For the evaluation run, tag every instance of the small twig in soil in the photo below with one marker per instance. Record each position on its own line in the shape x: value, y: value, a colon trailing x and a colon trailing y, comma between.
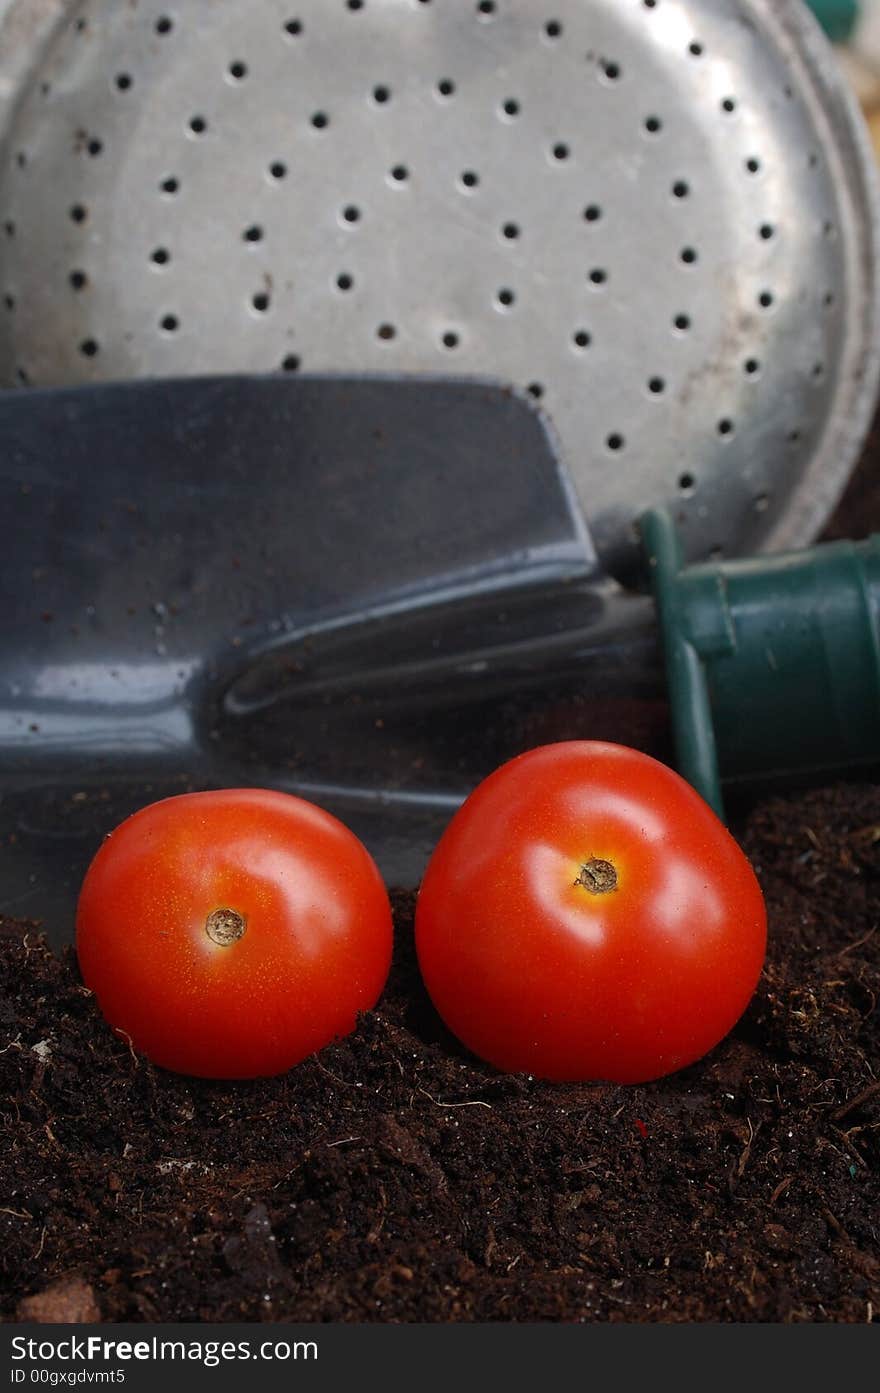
x: 469, y: 1103
x: 737, y: 1173
x: 851, y: 947
x: 857, y: 1101
x: 836, y: 1225
x: 346, y: 1083
x: 780, y: 1189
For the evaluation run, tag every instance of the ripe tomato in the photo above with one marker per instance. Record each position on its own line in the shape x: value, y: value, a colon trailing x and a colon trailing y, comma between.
x: 232, y: 934
x: 587, y: 916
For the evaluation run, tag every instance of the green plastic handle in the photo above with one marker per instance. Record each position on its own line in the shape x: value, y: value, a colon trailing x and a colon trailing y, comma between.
x: 837, y: 17
x: 773, y: 663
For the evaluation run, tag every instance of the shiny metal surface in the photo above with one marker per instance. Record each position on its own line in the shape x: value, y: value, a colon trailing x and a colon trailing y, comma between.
x: 190, y: 603
x: 659, y: 217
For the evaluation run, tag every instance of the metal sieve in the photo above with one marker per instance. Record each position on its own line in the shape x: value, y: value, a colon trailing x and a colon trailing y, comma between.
x: 658, y: 216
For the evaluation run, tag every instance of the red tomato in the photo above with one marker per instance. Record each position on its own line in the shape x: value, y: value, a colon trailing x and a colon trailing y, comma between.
x: 587, y: 916
x: 232, y: 934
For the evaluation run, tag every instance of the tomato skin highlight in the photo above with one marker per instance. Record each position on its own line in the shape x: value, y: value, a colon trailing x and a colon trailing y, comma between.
x: 231, y: 934
x: 536, y: 972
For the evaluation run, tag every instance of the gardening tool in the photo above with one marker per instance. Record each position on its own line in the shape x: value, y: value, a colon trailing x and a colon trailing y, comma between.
x: 300, y: 583
x: 320, y: 584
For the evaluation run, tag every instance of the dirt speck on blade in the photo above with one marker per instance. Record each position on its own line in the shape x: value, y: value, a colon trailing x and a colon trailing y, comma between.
x: 394, y: 1178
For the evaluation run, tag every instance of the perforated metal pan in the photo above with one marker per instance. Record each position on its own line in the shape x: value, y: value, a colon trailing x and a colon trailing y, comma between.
x: 657, y: 215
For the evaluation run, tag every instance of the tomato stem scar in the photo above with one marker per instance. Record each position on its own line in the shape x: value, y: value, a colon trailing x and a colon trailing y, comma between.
x: 225, y: 926
x: 597, y: 876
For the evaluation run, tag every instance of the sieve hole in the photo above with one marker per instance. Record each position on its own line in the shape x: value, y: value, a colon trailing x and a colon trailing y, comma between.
x: 400, y: 174
x: 171, y: 185
x: 446, y: 87
x: 552, y: 29
x: 78, y: 280
x: 656, y: 386
x: 653, y: 125
x: 686, y: 483
x: 506, y: 297
x: 695, y: 49
x: 751, y: 367
x: 89, y: 348
x: 536, y: 390
x: 386, y: 332
x: 450, y: 339
x: 728, y: 105
x: 123, y: 82
x: 170, y: 323
x: 237, y: 70
x: 510, y: 231
x: 344, y: 281
x: 252, y: 234
x: 278, y: 169
x: 592, y: 212
x: 261, y: 302
x: 78, y: 214
x: 689, y: 255
x: 765, y: 299
x: 381, y: 94
x: 682, y: 322
x: 320, y: 120
x: 469, y: 179
x: 598, y: 276
x: 160, y: 256
x: 680, y: 189
x: 293, y: 27
x: 291, y: 363
x: 761, y: 502
x: 615, y: 441
x: 753, y: 165
x: 581, y: 338
x: 510, y: 107
x: 611, y: 71
x: 351, y: 213
x: 725, y: 427
x: 198, y: 125
x: 561, y: 151
x: 164, y: 24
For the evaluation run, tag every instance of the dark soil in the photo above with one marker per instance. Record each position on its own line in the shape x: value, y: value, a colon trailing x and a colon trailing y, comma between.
x: 394, y: 1178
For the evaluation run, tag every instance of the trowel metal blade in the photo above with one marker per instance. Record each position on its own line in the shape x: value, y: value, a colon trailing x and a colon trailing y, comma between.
x: 218, y: 581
